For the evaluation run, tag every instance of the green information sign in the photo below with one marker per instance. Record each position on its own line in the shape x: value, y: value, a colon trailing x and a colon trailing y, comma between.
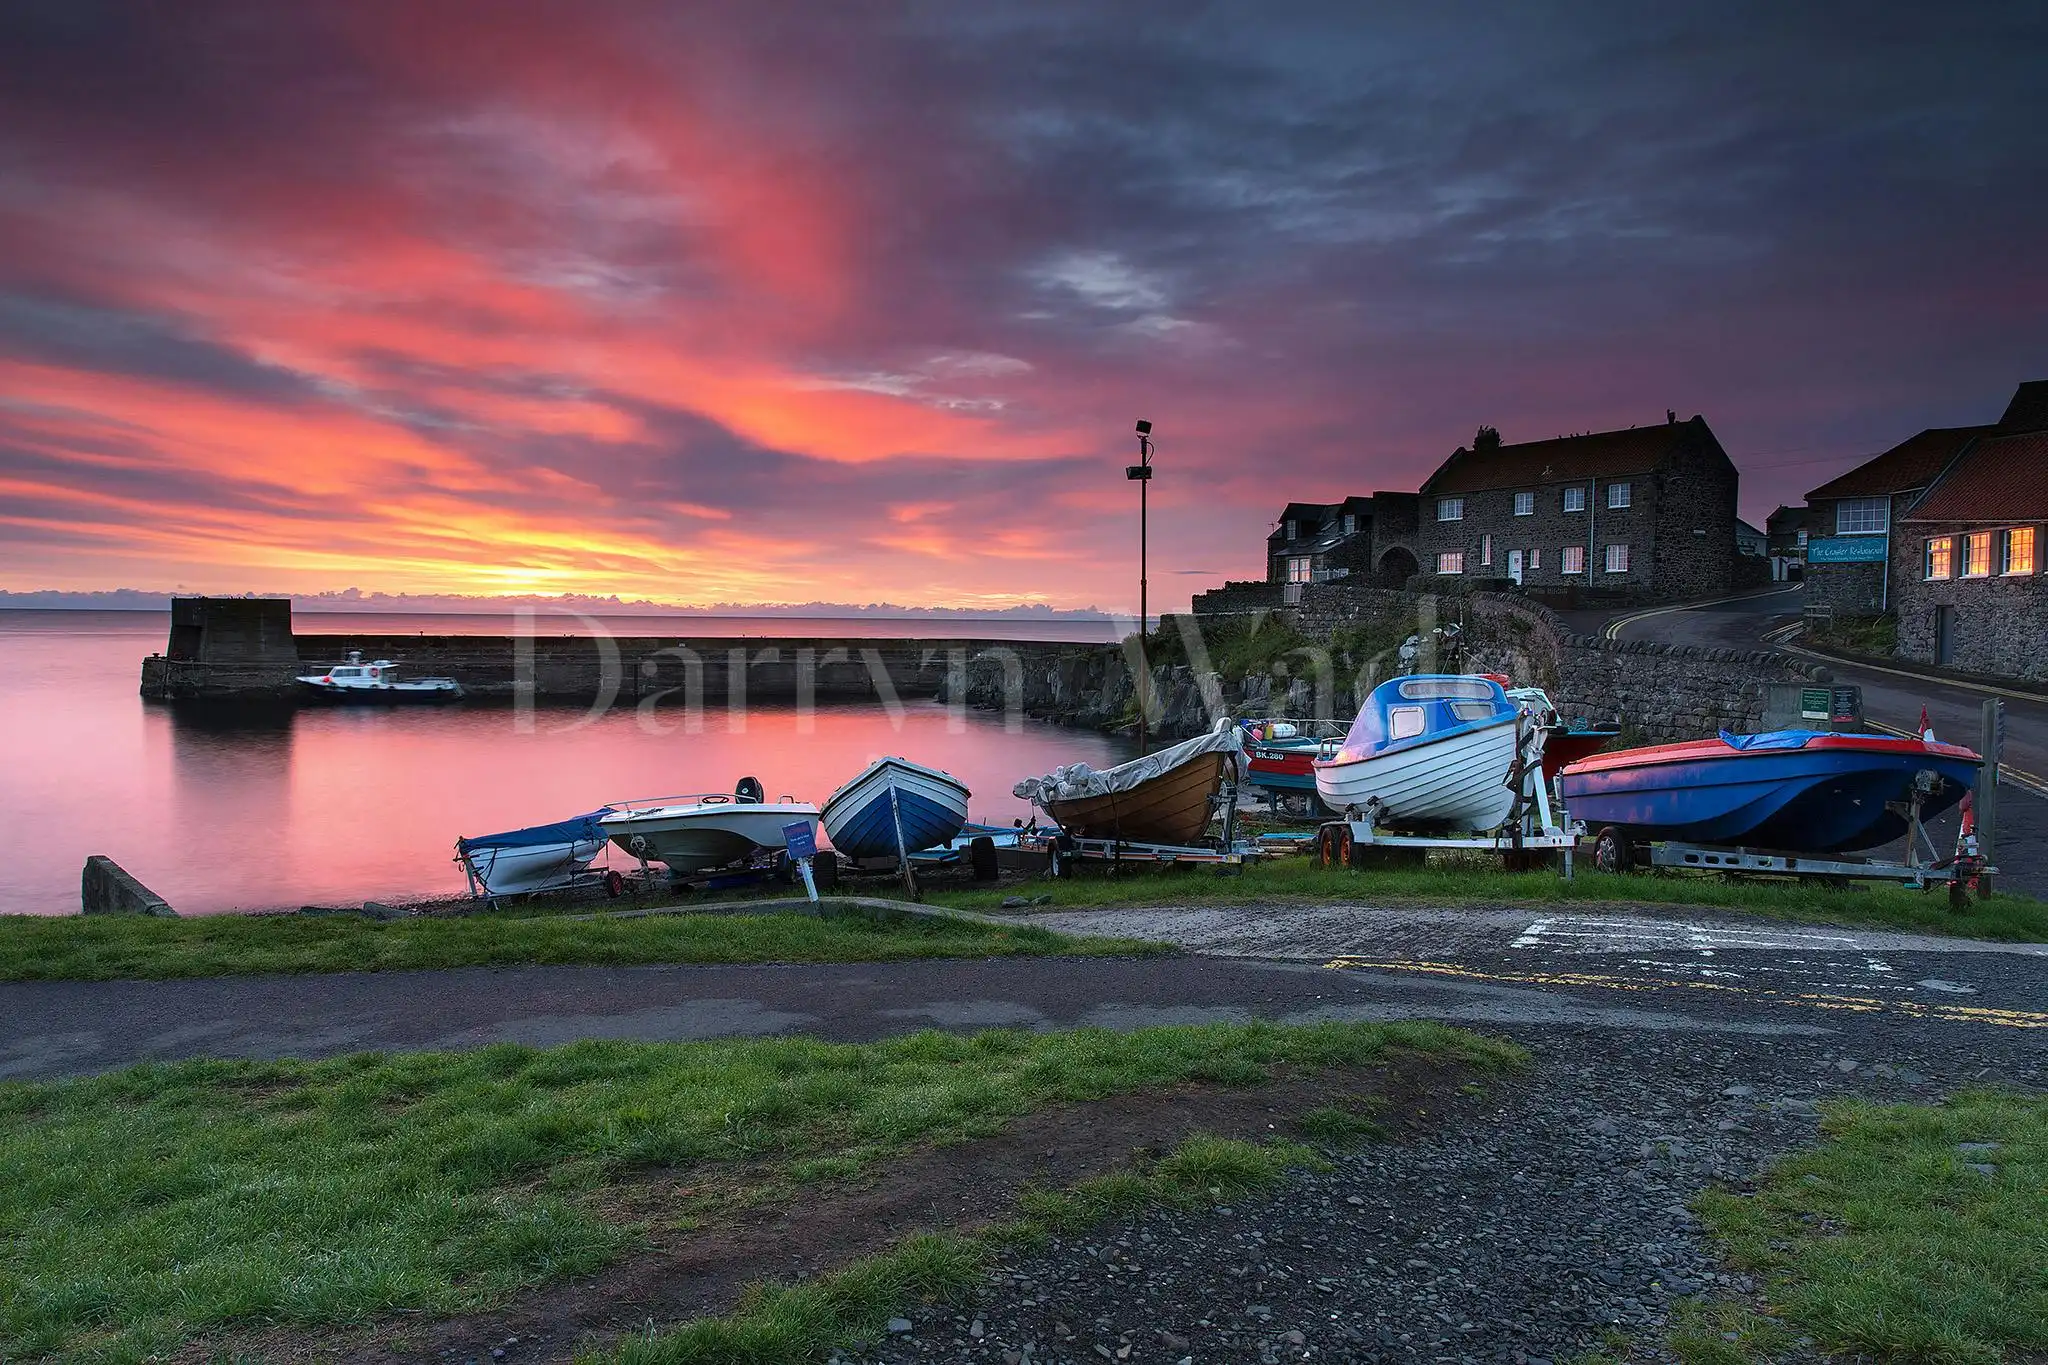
x: 1814, y: 703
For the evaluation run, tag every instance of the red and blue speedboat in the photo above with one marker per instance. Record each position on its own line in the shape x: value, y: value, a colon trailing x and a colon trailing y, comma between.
x: 1802, y: 791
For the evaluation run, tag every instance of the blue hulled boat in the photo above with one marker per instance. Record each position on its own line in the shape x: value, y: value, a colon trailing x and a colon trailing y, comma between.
x: 1792, y: 790
x: 862, y: 817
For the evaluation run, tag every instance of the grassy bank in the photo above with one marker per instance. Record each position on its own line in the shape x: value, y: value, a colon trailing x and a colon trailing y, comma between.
x: 2011, y: 919
x: 1888, y: 1243
x: 106, y: 947
x: 163, y: 1203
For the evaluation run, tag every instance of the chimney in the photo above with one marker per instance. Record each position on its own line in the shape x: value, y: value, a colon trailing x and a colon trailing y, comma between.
x: 1670, y: 417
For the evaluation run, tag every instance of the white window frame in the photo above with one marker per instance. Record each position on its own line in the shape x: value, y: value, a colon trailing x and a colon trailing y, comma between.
x: 1294, y: 530
x: 1525, y: 504
x: 1574, y: 499
x: 1608, y: 564
x: 1450, y: 562
x: 1350, y: 523
x: 1535, y: 560
x: 1567, y: 557
x: 1971, y: 540
x: 1947, y: 558
x: 1301, y: 568
x: 1848, y: 524
x: 1619, y: 495
x: 1450, y: 509
x: 2005, y: 539
x: 1486, y: 549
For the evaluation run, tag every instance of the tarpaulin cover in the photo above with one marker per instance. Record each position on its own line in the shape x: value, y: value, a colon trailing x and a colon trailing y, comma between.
x: 578, y: 830
x: 1771, y: 739
x: 1077, y: 780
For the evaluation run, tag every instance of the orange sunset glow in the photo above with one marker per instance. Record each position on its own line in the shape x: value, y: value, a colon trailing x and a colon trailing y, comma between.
x: 777, y: 303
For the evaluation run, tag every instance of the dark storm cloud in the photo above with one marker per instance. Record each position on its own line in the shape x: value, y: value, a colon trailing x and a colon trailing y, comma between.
x: 72, y: 334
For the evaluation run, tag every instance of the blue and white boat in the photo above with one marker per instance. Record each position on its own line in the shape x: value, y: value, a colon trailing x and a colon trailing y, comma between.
x: 1432, y: 751
x: 862, y: 818
x: 537, y: 858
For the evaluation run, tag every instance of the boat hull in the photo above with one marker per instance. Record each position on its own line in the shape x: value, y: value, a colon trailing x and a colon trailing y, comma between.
x: 1458, y: 782
x: 1172, y: 808
x: 1830, y: 797
x: 537, y: 867
x: 861, y: 818
x: 394, y: 694
x: 694, y: 838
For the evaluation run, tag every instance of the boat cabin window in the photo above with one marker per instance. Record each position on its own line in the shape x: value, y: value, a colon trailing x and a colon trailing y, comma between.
x: 1423, y: 689
x: 1404, y: 722
x: 1472, y: 710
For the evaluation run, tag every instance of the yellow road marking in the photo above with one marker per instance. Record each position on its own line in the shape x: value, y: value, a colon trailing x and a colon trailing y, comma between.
x: 2019, y: 777
x: 1613, y: 631
x: 1819, y: 1000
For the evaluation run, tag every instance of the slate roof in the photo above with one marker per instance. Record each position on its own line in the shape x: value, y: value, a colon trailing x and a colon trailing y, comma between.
x: 1563, y: 459
x: 1999, y: 479
x: 1912, y: 463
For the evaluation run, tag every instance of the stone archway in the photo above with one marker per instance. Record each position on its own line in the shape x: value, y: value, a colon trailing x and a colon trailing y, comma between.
x: 1396, y: 567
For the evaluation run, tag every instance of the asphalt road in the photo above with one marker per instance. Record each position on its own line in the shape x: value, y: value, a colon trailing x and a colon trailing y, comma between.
x: 1511, y: 966
x: 1893, y: 700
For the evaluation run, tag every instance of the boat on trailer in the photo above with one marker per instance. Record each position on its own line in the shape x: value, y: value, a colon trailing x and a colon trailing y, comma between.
x: 1164, y: 798
x: 894, y: 808
x: 1429, y: 752
x: 1799, y: 790
x: 537, y: 858
x: 375, y: 680
x: 706, y: 830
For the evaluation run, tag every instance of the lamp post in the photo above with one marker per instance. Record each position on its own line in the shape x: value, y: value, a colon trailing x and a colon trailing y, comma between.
x: 1142, y: 472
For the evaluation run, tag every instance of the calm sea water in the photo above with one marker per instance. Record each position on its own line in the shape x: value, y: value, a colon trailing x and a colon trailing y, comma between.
x: 340, y: 805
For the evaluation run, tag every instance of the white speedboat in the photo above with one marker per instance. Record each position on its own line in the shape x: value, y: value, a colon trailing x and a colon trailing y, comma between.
x: 538, y: 858
x: 895, y: 808
x: 713, y: 829
x: 1428, y: 752
x: 376, y: 680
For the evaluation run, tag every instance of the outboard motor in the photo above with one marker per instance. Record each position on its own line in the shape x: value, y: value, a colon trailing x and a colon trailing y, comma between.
x: 750, y: 790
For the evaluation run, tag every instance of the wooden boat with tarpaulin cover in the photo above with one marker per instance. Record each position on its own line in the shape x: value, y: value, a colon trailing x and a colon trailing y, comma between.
x: 1163, y: 798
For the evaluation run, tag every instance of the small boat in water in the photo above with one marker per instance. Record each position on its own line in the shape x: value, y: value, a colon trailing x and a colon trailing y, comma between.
x: 1434, y: 751
x: 537, y: 858
x: 893, y: 808
x: 376, y: 680
x: 1163, y: 798
x: 1802, y: 791
x: 712, y: 829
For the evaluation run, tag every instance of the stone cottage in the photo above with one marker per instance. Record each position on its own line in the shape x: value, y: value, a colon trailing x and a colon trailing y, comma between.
x: 1850, y: 520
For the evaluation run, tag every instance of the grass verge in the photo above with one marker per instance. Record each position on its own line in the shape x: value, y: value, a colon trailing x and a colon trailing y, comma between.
x: 2004, y: 918
x: 162, y: 1203
x: 780, y: 1324
x: 106, y: 947
x: 1886, y: 1243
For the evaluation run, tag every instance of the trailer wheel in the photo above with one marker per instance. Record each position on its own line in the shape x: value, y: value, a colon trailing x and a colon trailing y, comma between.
x: 825, y: 870
x: 1056, y: 865
x: 1326, y: 846
x: 981, y: 857
x: 1346, y: 849
x: 614, y: 884
x: 1612, y: 851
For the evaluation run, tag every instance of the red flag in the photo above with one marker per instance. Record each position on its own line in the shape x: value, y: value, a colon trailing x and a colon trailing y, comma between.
x: 1926, y: 730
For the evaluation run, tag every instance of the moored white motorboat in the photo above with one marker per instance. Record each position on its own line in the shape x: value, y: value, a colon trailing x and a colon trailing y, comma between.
x: 376, y: 680
x: 1428, y: 752
x: 707, y: 830
x: 894, y: 807
x: 538, y: 858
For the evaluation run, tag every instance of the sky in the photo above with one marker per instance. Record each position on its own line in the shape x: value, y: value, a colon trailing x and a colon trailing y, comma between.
x: 763, y: 302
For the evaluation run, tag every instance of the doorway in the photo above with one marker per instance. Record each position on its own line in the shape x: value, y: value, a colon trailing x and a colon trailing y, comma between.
x: 1515, y: 566
x: 1944, y: 635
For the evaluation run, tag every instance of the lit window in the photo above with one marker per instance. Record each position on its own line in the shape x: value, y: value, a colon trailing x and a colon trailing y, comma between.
x: 1938, y: 557
x: 1977, y: 554
x: 1535, y: 559
x: 1574, y: 499
x: 1617, y: 559
x: 1451, y: 561
x: 1572, y: 560
x: 1300, y: 570
x: 1450, y: 509
x: 1486, y: 549
x: 1525, y: 504
x: 1862, y: 516
x: 2018, y: 556
x: 1617, y: 494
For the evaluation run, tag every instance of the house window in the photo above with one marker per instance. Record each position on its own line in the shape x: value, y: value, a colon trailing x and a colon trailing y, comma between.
x: 1535, y: 559
x: 1618, y: 494
x: 1300, y: 569
x: 1862, y: 516
x: 1486, y: 549
x: 1451, y: 561
x: 2018, y: 550
x: 1574, y: 499
x: 1350, y: 523
x: 1572, y: 559
x: 1525, y: 504
x: 1294, y: 530
x: 1450, y: 509
x: 1977, y: 554
x: 1802, y: 540
x: 1617, y: 559
x: 1938, y: 557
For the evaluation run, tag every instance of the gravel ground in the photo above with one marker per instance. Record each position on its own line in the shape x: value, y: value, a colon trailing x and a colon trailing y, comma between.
x: 1522, y: 1233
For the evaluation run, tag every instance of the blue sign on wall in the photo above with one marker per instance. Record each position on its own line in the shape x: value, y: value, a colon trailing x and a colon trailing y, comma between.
x: 1846, y: 550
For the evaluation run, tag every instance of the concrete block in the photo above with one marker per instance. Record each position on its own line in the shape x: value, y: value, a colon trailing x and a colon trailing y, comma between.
x: 105, y: 889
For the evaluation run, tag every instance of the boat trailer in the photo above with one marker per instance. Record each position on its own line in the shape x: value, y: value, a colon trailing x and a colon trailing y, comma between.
x: 1535, y: 828
x: 1064, y: 852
